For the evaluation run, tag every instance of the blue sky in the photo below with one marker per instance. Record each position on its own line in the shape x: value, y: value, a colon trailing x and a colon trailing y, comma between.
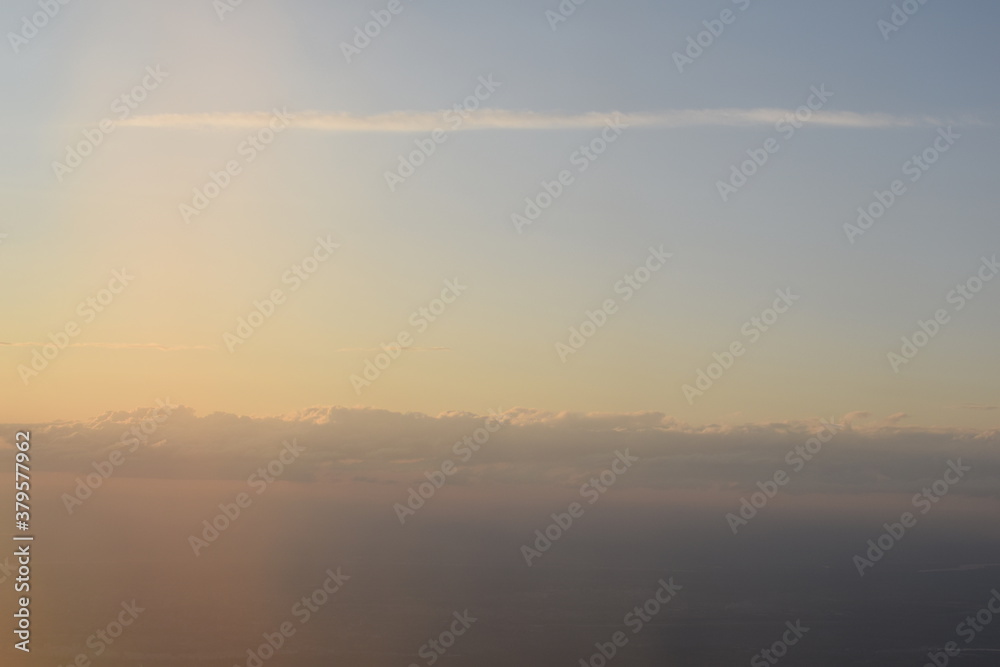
x: 657, y: 185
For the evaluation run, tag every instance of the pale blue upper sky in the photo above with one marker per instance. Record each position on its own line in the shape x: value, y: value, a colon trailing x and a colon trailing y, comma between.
x: 657, y: 186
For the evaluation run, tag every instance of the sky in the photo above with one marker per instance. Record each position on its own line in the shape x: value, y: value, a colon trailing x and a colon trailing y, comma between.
x: 351, y: 115
x: 516, y: 310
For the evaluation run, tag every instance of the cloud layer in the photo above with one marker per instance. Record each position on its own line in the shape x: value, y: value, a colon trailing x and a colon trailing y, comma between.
x: 351, y: 445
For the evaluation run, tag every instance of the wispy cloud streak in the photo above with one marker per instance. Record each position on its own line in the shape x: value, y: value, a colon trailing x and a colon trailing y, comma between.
x: 404, y: 349
x: 120, y: 346
x: 499, y: 119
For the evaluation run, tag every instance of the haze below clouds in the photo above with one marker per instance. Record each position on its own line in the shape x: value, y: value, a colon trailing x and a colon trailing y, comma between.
x: 333, y: 507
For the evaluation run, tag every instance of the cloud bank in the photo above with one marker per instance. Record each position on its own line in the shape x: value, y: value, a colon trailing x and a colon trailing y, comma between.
x: 369, y: 446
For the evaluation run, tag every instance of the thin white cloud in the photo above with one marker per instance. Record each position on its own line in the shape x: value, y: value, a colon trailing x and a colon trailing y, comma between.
x: 121, y: 346
x: 500, y: 119
x: 404, y: 349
